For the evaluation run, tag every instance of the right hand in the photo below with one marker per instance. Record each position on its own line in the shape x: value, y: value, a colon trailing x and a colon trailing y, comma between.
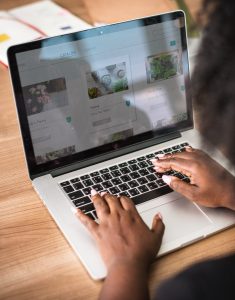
x: 211, y: 185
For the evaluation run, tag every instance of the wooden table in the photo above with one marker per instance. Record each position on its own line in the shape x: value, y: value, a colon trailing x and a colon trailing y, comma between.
x: 36, y: 262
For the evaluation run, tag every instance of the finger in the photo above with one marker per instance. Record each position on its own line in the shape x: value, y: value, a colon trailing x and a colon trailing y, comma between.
x: 113, y: 202
x: 127, y: 203
x: 176, y: 163
x: 90, y: 224
x: 100, y: 204
x: 158, y: 226
x: 188, y: 190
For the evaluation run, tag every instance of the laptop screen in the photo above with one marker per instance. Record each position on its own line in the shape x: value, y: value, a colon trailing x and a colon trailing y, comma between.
x: 83, y: 94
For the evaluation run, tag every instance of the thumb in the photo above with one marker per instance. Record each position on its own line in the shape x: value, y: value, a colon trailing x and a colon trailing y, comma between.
x: 186, y: 189
x: 158, y: 226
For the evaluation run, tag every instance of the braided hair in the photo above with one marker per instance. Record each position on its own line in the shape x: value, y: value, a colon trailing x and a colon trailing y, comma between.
x: 213, y: 80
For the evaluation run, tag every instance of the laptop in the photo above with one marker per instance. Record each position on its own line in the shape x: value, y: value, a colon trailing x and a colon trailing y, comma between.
x: 94, y: 108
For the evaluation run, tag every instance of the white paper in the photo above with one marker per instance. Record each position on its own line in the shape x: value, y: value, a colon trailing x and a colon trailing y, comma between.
x: 16, y: 32
x: 49, y: 18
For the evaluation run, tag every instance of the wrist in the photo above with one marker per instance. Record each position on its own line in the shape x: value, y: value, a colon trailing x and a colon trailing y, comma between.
x: 229, y: 200
x: 129, y: 265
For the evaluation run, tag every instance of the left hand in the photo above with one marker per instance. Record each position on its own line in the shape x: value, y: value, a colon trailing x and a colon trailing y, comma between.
x: 121, y: 235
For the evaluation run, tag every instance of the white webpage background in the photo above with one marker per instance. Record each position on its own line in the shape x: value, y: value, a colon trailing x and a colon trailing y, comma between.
x: 149, y: 103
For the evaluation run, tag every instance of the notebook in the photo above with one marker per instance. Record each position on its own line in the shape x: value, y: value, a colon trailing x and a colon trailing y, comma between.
x: 94, y: 107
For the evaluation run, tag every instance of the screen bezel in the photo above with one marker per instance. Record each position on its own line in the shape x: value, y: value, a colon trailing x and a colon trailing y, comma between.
x: 36, y: 170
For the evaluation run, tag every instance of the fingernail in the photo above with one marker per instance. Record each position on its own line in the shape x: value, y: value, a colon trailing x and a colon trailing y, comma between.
x: 93, y: 192
x: 103, y: 193
x: 160, y: 155
x: 166, y: 179
x: 153, y: 160
x: 160, y: 216
x: 188, y: 147
x: 74, y: 210
x: 156, y: 168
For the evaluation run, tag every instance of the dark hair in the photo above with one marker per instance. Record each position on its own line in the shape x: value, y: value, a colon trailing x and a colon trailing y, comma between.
x: 213, y: 81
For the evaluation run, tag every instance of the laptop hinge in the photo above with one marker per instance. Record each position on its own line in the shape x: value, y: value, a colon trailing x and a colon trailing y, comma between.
x: 114, y: 154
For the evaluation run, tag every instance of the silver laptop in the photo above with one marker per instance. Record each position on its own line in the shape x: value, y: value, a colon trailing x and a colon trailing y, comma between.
x: 94, y: 108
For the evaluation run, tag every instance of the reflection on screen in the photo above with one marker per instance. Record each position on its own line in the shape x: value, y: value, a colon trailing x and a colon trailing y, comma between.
x: 83, y: 94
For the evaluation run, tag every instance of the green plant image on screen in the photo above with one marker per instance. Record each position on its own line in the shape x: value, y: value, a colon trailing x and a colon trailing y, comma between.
x: 163, y: 66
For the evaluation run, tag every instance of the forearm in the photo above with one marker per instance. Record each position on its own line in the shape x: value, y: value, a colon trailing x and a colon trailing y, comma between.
x: 126, y: 282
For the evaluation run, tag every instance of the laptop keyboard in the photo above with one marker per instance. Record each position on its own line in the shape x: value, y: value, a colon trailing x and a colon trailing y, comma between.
x: 135, y: 178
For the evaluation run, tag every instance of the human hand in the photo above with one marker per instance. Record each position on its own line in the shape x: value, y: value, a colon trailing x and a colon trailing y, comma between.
x: 121, y: 235
x: 210, y: 184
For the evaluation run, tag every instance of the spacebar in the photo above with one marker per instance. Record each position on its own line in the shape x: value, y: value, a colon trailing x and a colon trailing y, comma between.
x: 151, y: 195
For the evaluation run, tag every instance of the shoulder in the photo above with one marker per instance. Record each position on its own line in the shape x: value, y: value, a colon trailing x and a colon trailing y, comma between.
x: 213, y: 279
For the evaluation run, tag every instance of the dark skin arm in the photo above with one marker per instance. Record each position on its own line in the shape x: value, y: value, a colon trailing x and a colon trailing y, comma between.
x: 211, y: 185
x: 126, y: 244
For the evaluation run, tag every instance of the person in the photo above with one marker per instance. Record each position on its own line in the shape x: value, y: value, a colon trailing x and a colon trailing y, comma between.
x: 126, y: 244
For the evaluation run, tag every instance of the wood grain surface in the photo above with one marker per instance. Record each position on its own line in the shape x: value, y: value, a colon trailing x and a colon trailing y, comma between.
x: 36, y: 262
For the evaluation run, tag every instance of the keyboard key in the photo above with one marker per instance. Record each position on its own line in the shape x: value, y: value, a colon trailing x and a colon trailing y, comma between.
x: 97, y: 179
x: 176, y: 147
x: 87, y: 191
x: 133, y: 183
x: 186, y: 180
x: 159, y: 152
x: 151, y: 195
x: 143, y: 189
x: 107, y: 184
x: 68, y: 189
x: 98, y: 187
x: 143, y: 164
x: 143, y: 172
x: 150, y: 156
x: 168, y: 150
x: 159, y: 175
x: 151, y: 170
x: 116, y: 181
x: 134, y: 167
x: 88, y: 182
x: 94, y: 174
x: 134, y: 175
x: 125, y: 178
x: 133, y: 161
x: 113, y: 168
x: 142, y: 180
x: 122, y: 165
x: 125, y: 170
x: 64, y: 183
x: 107, y: 176
x: 116, y: 173
x: 123, y: 187
x: 114, y: 190
x: 152, y: 185
x: 84, y: 177
x: 142, y: 158
x: 74, y: 180
x: 87, y: 208
x: 125, y: 194
x: 184, y: 144
x: 160, y: 182
x: 75, y: 195
x: 82, y: 201
x: 103, y: 171
x: 149, y: 163
x: 133, y: 192
x: 78, y: 186
x: 151, y: 177
x: 90, y: 215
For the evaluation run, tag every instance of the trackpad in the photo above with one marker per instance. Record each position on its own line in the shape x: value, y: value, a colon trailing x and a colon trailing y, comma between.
x: 181, y: 218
